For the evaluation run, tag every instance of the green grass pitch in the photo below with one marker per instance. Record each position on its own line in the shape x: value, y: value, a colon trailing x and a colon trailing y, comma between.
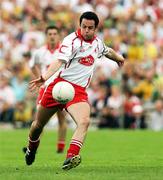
x: 106, y: 155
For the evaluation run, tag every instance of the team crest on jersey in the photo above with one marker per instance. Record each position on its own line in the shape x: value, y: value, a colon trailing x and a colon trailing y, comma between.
x: 87, y: 61
x: 62, y: 49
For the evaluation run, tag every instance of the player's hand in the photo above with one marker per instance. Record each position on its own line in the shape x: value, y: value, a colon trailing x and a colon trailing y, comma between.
x: 36, y: 83
x: 120, y: 64
x: 120, y: 61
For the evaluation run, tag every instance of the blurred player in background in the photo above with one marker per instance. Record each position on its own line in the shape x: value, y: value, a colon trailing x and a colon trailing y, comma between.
x: 39, y: 64
x: 78, y: 53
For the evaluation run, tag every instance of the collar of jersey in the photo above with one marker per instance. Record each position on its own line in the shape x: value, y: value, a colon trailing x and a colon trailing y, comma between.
x: 78, y: 33
x: 52, y: 50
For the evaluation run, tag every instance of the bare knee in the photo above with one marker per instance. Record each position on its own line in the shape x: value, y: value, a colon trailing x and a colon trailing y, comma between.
x: 84, y: 122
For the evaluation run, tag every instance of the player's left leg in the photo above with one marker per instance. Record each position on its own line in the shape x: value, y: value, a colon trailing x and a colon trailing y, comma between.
x: 62, y: 129
x: 42, y: 117
x: 80, y: 112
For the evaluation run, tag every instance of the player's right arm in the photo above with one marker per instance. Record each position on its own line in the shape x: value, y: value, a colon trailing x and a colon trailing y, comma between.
x: 53, y: 68
x: 64, y: 55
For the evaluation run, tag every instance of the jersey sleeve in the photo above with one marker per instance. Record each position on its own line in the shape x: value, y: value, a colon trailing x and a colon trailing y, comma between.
x: 34, y: 59
x: 103, y: 49
x: 65, y: 52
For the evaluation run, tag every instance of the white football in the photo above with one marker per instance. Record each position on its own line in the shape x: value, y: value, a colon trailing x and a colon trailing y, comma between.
x: 63, y: 92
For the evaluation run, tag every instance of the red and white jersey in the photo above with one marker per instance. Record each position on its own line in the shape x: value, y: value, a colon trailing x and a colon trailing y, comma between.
x: 80, y: 56
x: 43, y: 57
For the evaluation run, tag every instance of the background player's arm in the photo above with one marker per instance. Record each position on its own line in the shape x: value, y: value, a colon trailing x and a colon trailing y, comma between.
x: 35, y: 64
x: 115, y: 56
x: 36, y: 70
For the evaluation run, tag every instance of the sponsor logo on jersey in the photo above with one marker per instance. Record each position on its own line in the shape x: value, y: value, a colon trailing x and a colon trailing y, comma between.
x: 87, y: 61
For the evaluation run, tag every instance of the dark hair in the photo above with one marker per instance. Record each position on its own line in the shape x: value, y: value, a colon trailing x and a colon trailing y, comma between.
x: 50, y: 27
x: 91, y: 16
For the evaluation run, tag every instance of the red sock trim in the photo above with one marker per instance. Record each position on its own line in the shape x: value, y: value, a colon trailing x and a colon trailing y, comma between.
x: 74, y: 148
x: 60, y: 145
x: 76, y: 142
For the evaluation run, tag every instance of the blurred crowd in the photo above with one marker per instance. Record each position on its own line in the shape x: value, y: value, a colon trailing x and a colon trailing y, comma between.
x: 130, y: 97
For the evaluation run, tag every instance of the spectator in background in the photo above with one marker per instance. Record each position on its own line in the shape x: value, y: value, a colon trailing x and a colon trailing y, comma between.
x: 139, y: 119
x: 22, y: 115
x: 135, y: 50
x: 130, y: 101
x: 145, y: 88
x: 159, y: 63
x: 19, y: 84
x: 115, y: 78
x: 157, y: 116
x: 99, y: 103
x: 7, y: 100
x: 158, y: 89
x: 82, y: 6
x: 114, y: 104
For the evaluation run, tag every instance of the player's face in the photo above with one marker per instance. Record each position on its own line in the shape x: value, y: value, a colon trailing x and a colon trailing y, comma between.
x: 52, y: 36
x: 88, y: 29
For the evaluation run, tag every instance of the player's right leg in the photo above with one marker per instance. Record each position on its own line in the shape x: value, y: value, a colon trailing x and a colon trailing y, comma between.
x: 62, y: 129
x: 80, y: 112
x: 42, y: 117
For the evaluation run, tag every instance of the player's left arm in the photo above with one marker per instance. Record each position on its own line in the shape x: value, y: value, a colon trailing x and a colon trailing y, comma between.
x: 111, y: 54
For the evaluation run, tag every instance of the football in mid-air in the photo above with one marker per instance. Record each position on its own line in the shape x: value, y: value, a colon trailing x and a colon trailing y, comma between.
x: 63, y: 92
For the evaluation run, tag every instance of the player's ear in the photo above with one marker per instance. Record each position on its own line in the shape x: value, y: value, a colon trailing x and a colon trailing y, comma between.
x: 96, y: 29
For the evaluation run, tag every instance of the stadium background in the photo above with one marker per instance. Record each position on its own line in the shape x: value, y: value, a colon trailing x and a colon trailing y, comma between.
x: 128, y: 99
